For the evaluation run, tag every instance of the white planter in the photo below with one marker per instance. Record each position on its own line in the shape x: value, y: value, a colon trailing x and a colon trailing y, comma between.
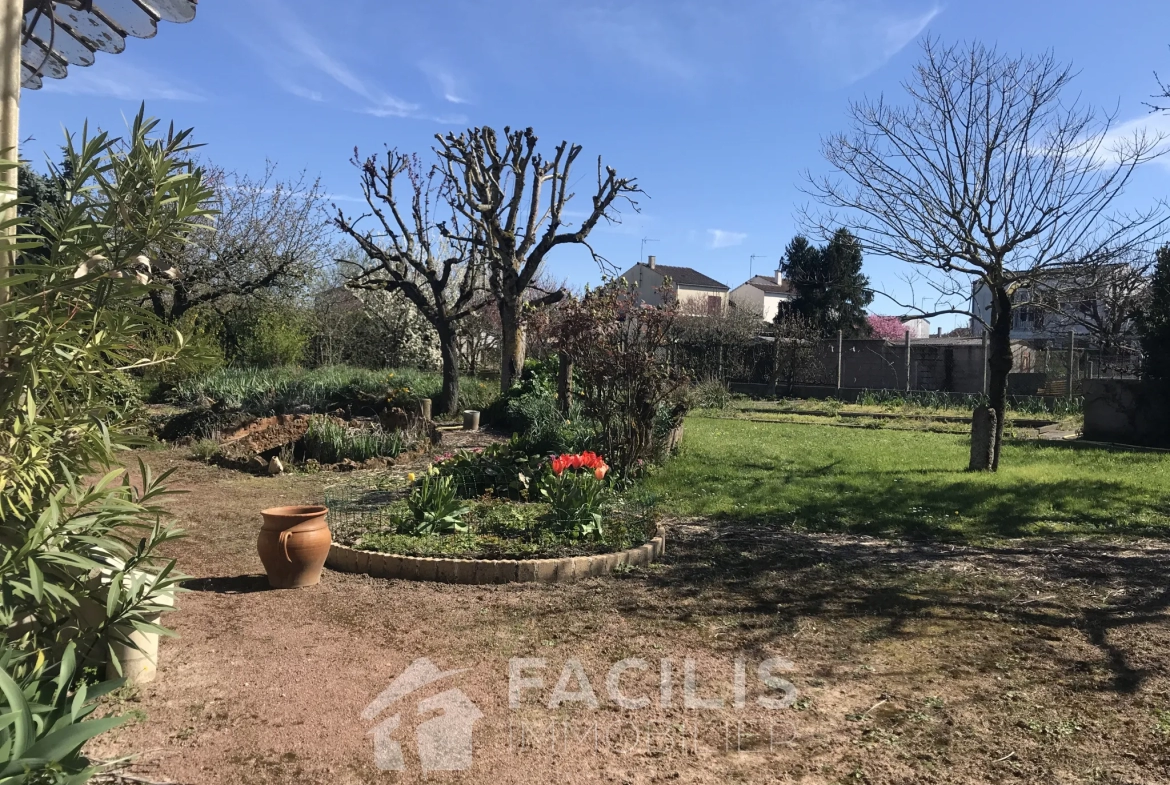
x: 139, y: 662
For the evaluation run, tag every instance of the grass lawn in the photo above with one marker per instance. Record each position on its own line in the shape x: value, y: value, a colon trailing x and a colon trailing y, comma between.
x: 906, y: 483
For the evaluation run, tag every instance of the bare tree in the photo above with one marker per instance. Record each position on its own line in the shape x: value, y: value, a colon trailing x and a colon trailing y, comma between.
x: 440, y: 274
x: 267, y: 234
x: 514, y: 201
x: 988, y: 176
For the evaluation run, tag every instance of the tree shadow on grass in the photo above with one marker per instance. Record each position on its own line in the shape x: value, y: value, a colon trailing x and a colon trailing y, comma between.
x: 921, y: 504
x: 773, y: 578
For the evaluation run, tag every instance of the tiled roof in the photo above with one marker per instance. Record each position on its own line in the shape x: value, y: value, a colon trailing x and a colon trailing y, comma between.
x: 685, y: 276
x: 768, y: 285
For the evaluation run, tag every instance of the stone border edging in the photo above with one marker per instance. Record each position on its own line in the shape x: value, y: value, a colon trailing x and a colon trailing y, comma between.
x: 484, y: 571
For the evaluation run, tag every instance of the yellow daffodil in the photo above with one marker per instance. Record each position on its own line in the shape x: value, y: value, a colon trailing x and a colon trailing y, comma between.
x: 410, y: 477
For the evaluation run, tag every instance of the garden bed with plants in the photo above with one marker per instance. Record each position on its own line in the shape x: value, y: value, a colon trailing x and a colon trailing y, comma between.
x: 501, y: 502
x: 569, y: 483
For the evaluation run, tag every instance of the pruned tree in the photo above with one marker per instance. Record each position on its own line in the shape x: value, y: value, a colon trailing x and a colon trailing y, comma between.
x: 514, y: 203
x: 990, y: 176
x: 266, y: 235
x: 440, y: 271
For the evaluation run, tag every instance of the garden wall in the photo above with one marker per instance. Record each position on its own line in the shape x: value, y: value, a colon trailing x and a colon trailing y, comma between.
x: 1127, y: 411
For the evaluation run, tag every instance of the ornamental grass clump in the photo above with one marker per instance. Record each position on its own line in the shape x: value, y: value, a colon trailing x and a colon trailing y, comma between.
x: 330, y: 441
x: 577, y: 492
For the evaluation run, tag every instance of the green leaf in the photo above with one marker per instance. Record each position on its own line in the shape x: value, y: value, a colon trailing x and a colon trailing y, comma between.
x: 36, y: 580
x: 66, y: 741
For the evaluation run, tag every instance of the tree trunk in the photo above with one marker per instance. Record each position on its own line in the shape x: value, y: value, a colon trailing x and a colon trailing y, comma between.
x: 448, y: 402
x: 513, y: 349
x: 999, y: 365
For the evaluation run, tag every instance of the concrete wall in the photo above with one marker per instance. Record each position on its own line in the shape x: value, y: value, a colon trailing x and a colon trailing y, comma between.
x: 878, y: 364
x: 1127, y: 411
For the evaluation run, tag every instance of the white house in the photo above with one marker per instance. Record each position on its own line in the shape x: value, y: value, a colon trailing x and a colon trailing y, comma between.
x: 1059, y: 300
x: 697, y: 293
x: 763, y: 294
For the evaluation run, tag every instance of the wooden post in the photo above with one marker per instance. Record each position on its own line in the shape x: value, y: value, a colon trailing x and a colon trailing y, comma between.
x: 985, y: 361
x: 840, y: 357
x: 907, y: 337
x: 11, y: 20
x: 1071, y: 356
x: 564, y: 382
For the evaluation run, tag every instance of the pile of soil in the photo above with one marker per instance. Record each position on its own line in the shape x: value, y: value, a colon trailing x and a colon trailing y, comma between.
x: 263, y: 436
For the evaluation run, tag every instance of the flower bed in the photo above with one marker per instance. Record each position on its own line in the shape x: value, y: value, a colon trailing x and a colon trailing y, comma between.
x: 500, y: 503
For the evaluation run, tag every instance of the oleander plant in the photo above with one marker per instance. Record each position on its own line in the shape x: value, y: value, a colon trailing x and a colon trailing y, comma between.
x: 80, y: 563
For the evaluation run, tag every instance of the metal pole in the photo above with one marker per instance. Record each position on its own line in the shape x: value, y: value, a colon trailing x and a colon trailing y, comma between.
x: 1071, y: 375
x: 985, y: 362
x: 11, y: 19
x: 840, y: 343
x: 907, y: 361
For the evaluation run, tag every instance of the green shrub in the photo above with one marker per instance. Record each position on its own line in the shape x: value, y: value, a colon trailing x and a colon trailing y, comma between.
x: 202, y: 351
x: 435, y: 507
x: 330, y: 441
x: 710, y: 394
x: 204, y: 449
x: 271, y: 335
x: 505, y: 470
x: 478, y: 395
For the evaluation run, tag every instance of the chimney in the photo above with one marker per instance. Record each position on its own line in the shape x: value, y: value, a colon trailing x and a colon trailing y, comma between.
x: 650, y: 262
x: 779, y: 277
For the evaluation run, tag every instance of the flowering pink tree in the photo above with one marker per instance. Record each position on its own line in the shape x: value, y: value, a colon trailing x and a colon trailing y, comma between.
x: 889, y: 327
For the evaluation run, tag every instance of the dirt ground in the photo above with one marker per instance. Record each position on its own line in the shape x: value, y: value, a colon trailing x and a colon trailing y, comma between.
x: 903, y: 663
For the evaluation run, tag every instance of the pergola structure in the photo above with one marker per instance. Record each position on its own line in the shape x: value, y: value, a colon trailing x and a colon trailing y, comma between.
x: 42, y: 38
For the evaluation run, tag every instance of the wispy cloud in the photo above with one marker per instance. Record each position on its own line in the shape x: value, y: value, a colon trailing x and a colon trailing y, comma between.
x: 1150, y: 131
x: 298, y: 38
x: 113, y: 77
x: 638, y: 34
x: 849, y: 40
x: 445, y: 82
x: 720, y: 238
x: 704, y: 40
x: 299, y: 61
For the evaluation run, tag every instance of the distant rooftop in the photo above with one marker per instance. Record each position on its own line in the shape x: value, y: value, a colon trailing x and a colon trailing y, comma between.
x: 685, y: 276
x: 767, y: 284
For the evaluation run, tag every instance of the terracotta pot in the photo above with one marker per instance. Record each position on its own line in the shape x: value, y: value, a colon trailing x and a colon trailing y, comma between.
x: 293, y: 544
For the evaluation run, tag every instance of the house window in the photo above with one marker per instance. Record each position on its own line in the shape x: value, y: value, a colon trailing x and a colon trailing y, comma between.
x: 714, y: 305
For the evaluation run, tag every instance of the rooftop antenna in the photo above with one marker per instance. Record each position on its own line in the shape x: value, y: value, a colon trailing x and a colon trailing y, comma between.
x: 752, y: 263
x: 642, y: 253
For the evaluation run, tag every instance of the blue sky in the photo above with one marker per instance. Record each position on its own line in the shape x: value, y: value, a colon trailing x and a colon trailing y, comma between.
x: 715, y: 106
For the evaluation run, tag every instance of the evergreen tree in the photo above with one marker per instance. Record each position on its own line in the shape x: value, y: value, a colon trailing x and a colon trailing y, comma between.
x: 831, y: 291
x: 1155, y: 320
